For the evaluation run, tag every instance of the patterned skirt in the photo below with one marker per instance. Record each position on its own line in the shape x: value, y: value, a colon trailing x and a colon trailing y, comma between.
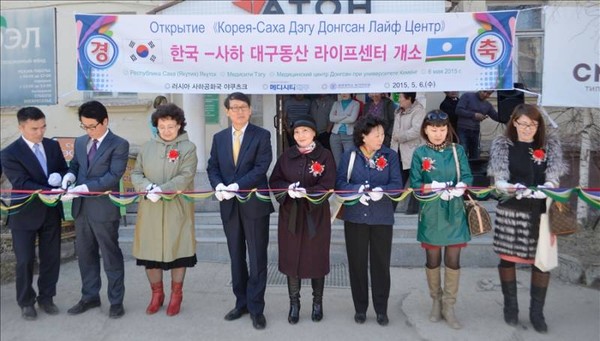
x: 517, y: 227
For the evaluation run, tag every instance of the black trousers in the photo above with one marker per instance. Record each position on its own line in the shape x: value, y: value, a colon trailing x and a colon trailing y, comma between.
x: 248, y: 286
x: 49, y: 260
x: 92, y: 239
x: 369, y: 247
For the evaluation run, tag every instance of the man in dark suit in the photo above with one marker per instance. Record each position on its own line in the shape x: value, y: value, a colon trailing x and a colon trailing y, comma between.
x: 32, y: 163
x: 239, y: 159
x: 98, y: 164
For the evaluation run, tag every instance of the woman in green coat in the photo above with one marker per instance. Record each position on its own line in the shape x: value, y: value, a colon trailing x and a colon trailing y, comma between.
x: 164, y: 232
x: 442, y: 221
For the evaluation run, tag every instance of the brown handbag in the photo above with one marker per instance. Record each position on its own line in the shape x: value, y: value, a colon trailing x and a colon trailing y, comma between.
x: 478, y: 218
x: 563, y: 221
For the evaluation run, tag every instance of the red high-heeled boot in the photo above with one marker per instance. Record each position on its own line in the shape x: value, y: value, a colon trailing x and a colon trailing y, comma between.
x: 158, y: 297
x: 176, y: 298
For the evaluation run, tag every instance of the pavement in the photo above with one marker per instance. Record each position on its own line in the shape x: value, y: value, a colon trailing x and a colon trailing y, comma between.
x: 572, y: 311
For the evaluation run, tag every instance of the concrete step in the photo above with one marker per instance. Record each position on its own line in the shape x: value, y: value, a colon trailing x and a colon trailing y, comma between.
x: 406, y: 250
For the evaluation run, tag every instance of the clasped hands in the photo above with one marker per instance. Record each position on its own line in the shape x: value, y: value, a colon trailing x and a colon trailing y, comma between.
x: 447, y: 192
x: 521, y: 191
x: 374, y: 194
x: 223, y: 192
x: 295, y: 191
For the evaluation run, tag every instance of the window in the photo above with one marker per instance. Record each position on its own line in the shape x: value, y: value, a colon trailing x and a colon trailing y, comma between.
x: 529, y: 43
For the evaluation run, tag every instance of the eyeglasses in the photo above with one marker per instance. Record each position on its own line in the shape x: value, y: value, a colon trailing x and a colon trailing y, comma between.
x: 437, y: 116
x: 240, y: 108
x: 168, y: 127
x: 90, y: 127
x: 527, y: 126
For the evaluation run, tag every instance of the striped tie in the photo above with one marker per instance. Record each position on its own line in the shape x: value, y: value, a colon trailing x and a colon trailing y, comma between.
x: 40, y: 156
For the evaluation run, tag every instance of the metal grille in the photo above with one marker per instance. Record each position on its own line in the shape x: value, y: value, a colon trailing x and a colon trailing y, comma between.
x: 337, y: 277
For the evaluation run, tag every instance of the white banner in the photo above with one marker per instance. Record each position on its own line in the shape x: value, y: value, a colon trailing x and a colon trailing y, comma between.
x: 572, y: 57
x: 295, y: 54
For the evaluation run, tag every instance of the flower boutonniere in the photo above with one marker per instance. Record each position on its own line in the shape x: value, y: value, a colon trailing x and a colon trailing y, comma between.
x: 173, y: 155
x: 428, y: 164
x: 316, y: 168
x: 538, y: 155
x: 380, y: 163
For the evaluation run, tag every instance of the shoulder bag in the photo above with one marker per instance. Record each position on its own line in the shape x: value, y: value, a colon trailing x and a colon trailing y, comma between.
x: 478, y: 218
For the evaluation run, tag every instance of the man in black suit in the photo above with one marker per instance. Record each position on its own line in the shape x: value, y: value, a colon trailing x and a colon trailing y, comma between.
x: 239, y: 159
x: 98, y: 164
x: 33, y: 163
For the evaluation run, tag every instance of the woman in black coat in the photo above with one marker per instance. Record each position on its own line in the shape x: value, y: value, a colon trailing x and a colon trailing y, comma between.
x: 304, y: 228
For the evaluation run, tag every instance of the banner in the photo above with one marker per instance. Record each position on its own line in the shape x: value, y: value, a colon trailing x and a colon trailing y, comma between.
x: 295, y: 54
x: 28, y: 57
x: 572, y: 57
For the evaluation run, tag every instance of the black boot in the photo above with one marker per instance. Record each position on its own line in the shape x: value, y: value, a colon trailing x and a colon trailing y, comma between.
x: 539, y: 287
x: 294, y: 292
x: 317, y: 309
x: 509, y: 290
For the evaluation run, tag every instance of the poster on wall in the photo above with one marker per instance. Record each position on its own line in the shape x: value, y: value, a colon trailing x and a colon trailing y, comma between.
x: 295, y: 54
x: 28, y: 57
x: 571, y: 57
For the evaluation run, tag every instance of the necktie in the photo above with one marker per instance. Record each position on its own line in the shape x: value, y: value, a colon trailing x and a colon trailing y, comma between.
x: 92, y: 151
x: 236, y: 145
x: 40, y: 156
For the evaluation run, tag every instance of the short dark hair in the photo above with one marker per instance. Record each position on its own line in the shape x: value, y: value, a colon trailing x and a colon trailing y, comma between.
x: 437, y: 123
x: 363, y: 127
x: 410, y: 95
x: 236, y: 96
x: 159, y: 100
x: 29, y: 113
x: 534, y: 114
x: 93, y: 109
x: 169, y: 111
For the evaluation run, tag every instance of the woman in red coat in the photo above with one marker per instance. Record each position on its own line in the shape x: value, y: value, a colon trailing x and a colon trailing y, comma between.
x: 304, y: 231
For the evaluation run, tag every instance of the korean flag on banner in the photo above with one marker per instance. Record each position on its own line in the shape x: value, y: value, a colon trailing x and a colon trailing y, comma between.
x: 144, y: 51
x: 446, y: 49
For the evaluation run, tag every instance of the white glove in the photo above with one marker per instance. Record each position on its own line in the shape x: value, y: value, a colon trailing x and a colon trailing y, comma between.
x: 68, y: 197
x: 364, y: 199
x: 79, y: 189
x: 292, y: 190
x: 538, y: 195
x: 150, y: 187
x: 437, y: 186
x: 57, y: 190
x: 156, y: 189
x: 548, y: 184
x: 446, y: 195
x: 376, y: 194
x: 361, y: 189
x: 219, y: 194
x: 458, y: 190
x: 522, y: 191
x: 504, y: 186
x: 67, y: 180
x: 153, y: 196
x: 54, y: 180
x: 230, y: 191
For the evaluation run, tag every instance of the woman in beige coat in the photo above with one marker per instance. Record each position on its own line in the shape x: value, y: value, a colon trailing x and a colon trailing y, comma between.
x: 164, y: 232
x: 406, y: 136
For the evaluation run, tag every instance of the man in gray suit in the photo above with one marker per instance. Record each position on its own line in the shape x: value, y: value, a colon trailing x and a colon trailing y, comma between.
x: 97, y: 166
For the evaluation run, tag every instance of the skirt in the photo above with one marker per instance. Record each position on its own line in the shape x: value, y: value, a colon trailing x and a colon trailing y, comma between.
x: 185, y: 262
x: 517, y: 227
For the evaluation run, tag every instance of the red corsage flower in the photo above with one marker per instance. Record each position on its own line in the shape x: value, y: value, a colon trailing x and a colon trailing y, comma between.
x: 428, y: 164
x: 316, y: 168
x: 173, y: 155
x: 381, y: 163
x: 538, y: 155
